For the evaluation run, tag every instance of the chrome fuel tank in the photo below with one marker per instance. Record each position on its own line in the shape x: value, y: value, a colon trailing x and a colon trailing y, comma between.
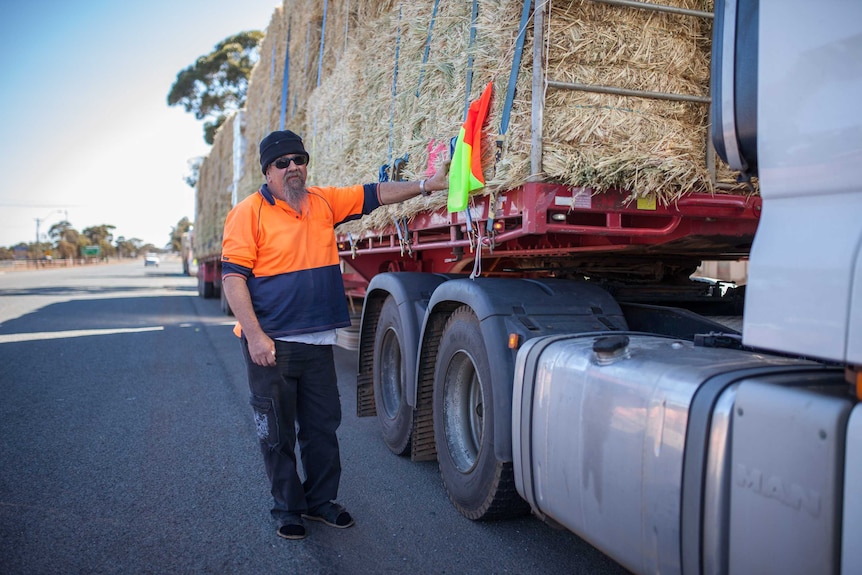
x: 601, y: 425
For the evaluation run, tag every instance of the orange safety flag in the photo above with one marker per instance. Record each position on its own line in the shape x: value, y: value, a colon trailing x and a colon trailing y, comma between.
x: 465, y: 172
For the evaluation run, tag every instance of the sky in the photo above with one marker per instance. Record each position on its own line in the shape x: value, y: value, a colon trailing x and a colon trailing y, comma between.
x: 86, y: 134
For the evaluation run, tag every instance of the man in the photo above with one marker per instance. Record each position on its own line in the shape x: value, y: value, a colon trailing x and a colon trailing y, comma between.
x: 282, y: 279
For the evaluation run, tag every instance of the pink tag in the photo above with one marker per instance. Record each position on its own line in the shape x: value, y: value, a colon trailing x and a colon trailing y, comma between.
x: 433, y: 152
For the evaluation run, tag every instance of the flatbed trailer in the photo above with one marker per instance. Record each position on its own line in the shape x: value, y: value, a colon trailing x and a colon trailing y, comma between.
x: 547, y: 229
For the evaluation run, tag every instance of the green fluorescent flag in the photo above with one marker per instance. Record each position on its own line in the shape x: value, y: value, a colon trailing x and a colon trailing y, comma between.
x: 465, y: 173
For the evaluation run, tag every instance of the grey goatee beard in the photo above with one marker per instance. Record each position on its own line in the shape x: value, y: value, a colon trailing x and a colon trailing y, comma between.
x: 294, y: 192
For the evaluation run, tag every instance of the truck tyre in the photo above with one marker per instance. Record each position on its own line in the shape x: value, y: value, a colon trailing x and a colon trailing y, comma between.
x: 390, y: 380
x: 480, y: 486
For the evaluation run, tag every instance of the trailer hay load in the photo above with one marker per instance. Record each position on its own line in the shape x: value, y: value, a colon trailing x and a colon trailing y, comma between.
x: 623, y: 105
x: 611, y: 101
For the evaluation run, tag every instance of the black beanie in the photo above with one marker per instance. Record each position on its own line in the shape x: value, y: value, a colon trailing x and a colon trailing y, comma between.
x: 278, y: 144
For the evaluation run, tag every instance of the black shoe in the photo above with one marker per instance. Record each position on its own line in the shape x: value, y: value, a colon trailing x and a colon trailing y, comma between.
x: 332, y: 514
x: 292, y: 529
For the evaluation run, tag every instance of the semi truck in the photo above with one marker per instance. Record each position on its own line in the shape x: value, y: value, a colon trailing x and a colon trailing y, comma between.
x: 549, y: 349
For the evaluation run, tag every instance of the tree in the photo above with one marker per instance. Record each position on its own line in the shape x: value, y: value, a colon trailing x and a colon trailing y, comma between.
x: 67, y: 240
x: 98, y: 234
x: 177, y: 234
x: 148, y: 248
x: 101, y: 236
x: 128, y: 248
x: 216, y: 84
x: 60, y: 230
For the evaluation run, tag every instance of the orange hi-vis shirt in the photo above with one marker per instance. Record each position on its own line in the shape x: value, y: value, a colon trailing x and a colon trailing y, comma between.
x: 290, y: 261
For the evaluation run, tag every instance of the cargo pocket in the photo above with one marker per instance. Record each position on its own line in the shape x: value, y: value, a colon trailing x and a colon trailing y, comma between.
x: 265, y: 421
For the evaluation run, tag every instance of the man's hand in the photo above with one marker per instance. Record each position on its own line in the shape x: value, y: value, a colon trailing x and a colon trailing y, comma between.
x: 440, y: 179
x: 262, y: 350
x: 395, y: 192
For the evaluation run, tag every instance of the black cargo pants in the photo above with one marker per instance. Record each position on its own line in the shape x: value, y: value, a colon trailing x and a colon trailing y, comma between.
x: 297, y: 399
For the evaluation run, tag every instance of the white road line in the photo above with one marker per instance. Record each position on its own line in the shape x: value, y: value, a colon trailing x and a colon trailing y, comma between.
x: 19, y: 337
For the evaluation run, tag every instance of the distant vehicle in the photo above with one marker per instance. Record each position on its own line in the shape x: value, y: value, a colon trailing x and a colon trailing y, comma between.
x: 151, y: 259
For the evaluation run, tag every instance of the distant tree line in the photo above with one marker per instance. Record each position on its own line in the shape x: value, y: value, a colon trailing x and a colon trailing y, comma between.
x: 68, y: 243
x: 212, y: 88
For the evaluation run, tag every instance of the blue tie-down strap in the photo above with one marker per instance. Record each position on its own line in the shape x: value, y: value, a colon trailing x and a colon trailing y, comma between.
x: 398, y: 167
x: 383, y: 173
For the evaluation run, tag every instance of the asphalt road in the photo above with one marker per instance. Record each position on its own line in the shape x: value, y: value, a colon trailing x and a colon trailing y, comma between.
x: 127, y: 446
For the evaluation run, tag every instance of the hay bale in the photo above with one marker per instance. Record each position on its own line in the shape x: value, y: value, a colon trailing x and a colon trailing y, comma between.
x: 648, y: 146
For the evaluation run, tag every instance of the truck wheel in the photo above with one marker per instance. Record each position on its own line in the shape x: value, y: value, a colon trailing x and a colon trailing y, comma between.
x: 390, y: 382
x: 480, y: 486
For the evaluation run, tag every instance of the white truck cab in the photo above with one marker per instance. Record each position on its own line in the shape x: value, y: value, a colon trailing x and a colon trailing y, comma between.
x: 804, y: 294
x: 687, y: 457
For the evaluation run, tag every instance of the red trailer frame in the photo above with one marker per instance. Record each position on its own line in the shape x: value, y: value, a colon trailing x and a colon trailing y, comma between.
x: 541, y: 221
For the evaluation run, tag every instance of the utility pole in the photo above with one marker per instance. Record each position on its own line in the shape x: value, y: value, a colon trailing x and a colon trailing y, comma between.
x: 37, y: 250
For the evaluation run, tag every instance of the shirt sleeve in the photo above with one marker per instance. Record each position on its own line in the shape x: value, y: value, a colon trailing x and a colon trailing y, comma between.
x: 372, y: 198
x: 229, y: 269
x: 239, y: 245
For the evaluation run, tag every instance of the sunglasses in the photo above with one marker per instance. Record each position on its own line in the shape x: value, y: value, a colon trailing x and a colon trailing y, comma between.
x: 283, y: 163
